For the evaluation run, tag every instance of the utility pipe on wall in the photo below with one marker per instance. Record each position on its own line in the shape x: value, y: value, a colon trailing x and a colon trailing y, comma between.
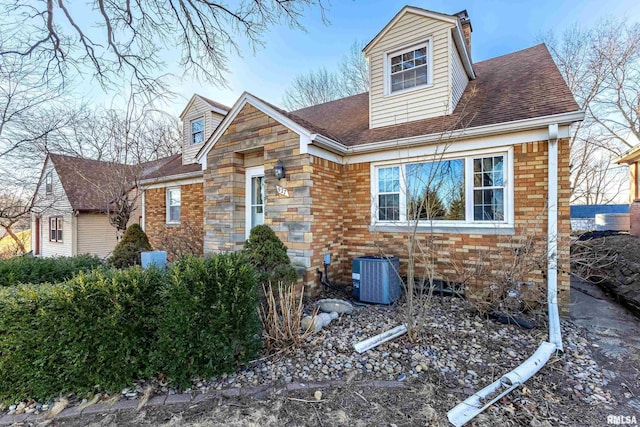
x: 479, y: 401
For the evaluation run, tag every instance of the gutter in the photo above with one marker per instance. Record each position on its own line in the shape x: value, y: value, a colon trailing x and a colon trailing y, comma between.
x: 479, y: 401
x: 486, y: 130
x: 170, y: 178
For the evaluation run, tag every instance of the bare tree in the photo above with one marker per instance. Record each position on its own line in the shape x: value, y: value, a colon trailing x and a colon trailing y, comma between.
x: 319, y: 86
x: 14, y: 212
x: 128, y: 38
x: 602, y: 68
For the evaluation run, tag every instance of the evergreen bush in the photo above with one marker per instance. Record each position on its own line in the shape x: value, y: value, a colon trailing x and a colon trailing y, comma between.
x: 102, y: 330
x: 266, y: 252
x: 208, y: 323
x: 127, y: 251
x: 32, y: 270
x: 95, y: 330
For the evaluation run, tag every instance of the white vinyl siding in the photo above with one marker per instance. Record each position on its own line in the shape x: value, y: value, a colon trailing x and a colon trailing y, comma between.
x: 420, y: 103
x: 459, y: 77
x: 54, y: 204
x: 199, y: 109
x: 95, y: 235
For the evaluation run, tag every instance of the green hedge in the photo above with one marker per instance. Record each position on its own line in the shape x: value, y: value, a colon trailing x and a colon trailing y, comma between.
x: 104, y: 329
x: 209, y: 321
x: 41, y: 270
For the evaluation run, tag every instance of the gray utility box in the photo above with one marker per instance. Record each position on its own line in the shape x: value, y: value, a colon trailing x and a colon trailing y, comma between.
x: 376, y: 280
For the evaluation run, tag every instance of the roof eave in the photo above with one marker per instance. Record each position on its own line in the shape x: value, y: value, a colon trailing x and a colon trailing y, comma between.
x: 247, y: 98
x: 629, y: 157
x: 169, y: 178
x: 486, y: 130
x: 400, y: 14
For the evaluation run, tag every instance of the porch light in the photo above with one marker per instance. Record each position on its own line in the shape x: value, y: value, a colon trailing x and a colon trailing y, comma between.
x: 279, y: 169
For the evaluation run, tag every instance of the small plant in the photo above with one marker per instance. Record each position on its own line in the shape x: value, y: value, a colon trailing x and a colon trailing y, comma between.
x: 266, y: 252
x: 281, y: 316
x: 127, y: 251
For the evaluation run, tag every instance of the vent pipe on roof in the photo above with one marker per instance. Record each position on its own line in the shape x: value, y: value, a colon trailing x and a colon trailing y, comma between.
x: 466, y: 28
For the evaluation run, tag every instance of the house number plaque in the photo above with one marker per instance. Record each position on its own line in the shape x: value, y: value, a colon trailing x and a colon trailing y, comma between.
x: 282, y: 191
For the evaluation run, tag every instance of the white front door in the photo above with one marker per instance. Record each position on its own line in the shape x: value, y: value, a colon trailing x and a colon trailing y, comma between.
x: 254, y: 198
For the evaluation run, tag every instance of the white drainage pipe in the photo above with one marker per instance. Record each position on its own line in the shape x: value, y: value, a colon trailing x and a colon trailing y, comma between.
x: 372, y: 342
x: 463, y: 412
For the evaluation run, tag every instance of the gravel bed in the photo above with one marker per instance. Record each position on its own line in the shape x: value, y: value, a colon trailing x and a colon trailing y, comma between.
x: 459, y: 351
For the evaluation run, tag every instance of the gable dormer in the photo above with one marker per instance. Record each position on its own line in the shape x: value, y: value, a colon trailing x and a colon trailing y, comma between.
x: 199, y: 119
x: 419, y: 65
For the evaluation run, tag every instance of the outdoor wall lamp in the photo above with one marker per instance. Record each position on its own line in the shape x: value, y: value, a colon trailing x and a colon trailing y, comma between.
x: 279, y: 169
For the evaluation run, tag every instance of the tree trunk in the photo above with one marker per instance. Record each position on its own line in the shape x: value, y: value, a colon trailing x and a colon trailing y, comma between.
x: 15, y: 238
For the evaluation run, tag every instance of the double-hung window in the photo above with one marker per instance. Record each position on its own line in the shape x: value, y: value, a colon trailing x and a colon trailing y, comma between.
x: 408, y: 68
x: 55, y: 229
x: 453, y: 191
x: 197, y: 131
x: 173, y: 206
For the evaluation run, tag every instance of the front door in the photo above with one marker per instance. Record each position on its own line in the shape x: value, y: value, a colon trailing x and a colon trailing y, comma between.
x: 254, y: 197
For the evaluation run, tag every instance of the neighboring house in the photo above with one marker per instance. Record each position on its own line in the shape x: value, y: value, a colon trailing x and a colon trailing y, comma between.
x: 632, y: 159
x: 172, y: 195
x: 497, y: 131
x: 583, y: 217
x: 69, y: 213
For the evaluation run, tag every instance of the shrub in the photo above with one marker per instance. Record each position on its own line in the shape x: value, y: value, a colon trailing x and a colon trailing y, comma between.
x: 40, y: 270
x: 127, y: 251
x: 95, y: 330
x: 208, y: 322
x: 104, y: 329
x: 266, y: 252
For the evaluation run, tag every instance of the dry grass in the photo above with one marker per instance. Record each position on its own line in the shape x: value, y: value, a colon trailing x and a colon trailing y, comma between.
x: 9, y: 248
x: 281, y: 316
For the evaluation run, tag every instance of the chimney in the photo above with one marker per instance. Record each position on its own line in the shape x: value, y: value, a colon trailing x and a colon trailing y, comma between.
x: 466, y: 28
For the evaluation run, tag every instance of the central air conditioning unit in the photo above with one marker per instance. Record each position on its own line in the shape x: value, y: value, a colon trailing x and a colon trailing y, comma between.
x: 376, y: 279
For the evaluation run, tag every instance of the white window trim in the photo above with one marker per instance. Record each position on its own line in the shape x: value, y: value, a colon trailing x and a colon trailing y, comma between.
x: 428, y: 42
x: 466, y: 226
x: 251, y: 173
x: 59, y: 226
x: 167, y: 206
x: 191, y: 133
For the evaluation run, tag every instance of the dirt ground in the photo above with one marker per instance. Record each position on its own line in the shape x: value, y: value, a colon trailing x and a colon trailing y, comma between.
x: 420, y: 403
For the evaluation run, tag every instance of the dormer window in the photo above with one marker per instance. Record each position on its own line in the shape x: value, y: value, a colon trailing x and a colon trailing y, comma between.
x: 197, y: 131
x: 409, y: 68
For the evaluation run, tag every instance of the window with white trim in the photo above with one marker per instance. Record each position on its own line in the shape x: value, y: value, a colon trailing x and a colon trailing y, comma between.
x: 448, y: 191
x: 55, y: 229
x: 173, y: 206
x: 408, y: 68
x: 197, y: 131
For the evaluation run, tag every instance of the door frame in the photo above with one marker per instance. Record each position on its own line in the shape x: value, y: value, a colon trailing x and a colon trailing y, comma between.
x: 251, y: 173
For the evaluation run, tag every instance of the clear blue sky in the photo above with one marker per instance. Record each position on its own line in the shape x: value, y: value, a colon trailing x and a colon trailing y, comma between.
x: 499, y: 27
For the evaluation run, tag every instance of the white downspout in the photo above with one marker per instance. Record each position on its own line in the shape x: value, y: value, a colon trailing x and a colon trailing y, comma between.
x: 144, y: 209
x: 465, y: 411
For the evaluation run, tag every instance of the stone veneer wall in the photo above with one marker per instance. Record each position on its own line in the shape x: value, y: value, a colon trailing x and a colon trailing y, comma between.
x: 350, y: 216
x: 253, y: 139
x: 191, y: 221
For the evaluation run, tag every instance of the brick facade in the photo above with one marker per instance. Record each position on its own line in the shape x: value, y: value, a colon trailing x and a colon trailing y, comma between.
x: 172, y: 237
x: 328, y: 209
